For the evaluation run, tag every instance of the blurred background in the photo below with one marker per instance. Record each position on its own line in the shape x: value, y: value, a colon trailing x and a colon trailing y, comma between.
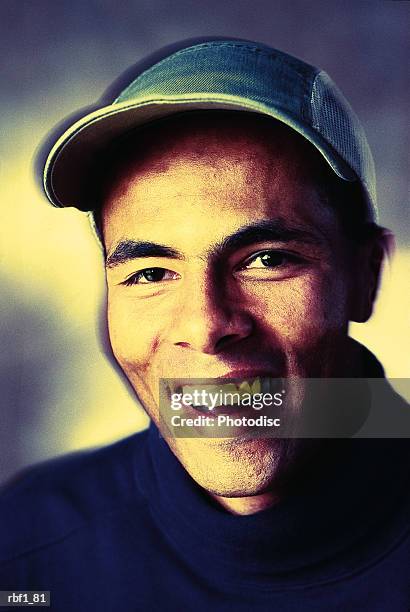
x: 58, y: 390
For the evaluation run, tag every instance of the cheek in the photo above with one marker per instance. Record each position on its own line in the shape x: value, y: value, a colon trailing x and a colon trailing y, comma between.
x: 134, y: 337
x: 300, y: 310
x: 133, y: 332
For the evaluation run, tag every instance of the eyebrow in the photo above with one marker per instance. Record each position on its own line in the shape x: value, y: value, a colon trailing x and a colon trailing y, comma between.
x: 254, y: 233
x: 275, y: 230
x: 127, y: 250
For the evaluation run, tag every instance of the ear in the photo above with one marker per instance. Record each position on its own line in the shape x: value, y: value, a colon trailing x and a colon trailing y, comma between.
x: 368, y: 265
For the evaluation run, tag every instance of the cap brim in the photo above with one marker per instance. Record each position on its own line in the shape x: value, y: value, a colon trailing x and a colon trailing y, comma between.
x: 70, y: 161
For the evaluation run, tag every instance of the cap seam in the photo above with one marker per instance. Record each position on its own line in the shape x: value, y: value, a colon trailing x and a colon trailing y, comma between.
x: 319, y: 72
x: 307, y: 114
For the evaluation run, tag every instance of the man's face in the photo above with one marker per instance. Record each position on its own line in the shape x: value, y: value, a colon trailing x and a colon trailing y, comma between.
x: 222, y: 261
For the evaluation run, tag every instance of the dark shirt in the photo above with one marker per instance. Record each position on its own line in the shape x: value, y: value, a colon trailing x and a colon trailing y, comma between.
x: 124, y: 528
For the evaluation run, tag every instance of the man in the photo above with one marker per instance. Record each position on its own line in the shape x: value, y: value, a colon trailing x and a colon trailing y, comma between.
x: 233, y: 191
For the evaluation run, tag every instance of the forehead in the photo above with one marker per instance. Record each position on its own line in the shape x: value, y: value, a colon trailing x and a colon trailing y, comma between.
x: 232, y: 164
x: 212, y: 136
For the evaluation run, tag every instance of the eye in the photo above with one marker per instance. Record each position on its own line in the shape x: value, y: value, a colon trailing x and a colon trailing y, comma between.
x: 149, y: 276
x: 270, y: 260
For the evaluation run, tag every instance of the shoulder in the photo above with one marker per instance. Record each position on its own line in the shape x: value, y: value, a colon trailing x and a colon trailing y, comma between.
x: 50, y: 500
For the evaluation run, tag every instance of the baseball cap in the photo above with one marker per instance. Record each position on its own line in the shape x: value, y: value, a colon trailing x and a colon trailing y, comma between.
x: 230, y: 74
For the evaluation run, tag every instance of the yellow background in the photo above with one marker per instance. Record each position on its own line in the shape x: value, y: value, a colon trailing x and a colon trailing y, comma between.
x: 58, y: 390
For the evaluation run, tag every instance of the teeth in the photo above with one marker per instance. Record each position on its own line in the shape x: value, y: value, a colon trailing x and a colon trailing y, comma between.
x: 206, y: 397
x: 229, y: 388
x: 191, y: 389
x: 245, y: 387
x: 256, y: 386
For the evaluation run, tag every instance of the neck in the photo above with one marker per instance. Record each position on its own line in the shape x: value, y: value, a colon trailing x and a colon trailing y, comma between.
x: 247, y: 505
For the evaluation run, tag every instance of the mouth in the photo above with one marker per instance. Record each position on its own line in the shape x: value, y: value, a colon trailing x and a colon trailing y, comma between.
x: 225, y: 395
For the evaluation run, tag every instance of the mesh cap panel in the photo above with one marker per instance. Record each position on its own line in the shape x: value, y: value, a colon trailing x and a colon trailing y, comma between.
x: 333, y: 117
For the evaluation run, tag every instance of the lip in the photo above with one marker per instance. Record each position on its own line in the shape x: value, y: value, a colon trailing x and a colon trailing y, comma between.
x: 246, y: 374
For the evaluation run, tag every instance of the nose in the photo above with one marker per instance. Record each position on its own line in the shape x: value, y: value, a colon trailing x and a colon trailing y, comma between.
x: 209, y: 319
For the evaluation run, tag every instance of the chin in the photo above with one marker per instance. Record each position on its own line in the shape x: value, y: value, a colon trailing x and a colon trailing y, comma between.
x: 232, y: 468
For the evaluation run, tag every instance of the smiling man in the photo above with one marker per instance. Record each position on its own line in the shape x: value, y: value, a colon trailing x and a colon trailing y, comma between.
x: 232, y: 189
x: 224, y: 260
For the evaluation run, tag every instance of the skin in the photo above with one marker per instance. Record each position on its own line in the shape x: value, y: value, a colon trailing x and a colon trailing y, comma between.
x: 209, y: 312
